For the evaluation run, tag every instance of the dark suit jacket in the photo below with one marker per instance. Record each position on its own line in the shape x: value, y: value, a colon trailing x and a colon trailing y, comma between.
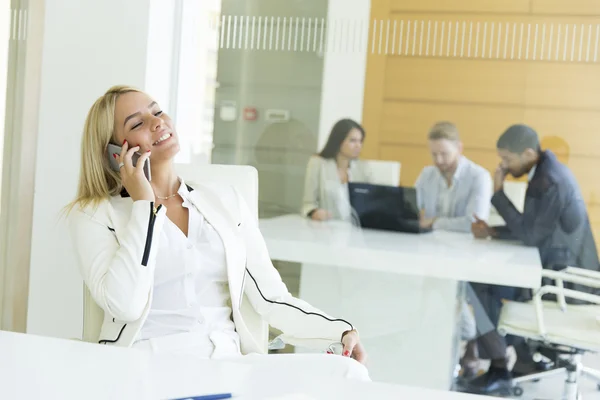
x: 554, y: 218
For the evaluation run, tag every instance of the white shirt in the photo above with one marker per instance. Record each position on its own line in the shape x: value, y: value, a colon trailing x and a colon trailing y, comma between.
x: 191, y: 291
x: 454, y: 205
x: 338, y: 190
x: 344, y: 203
x: 531, y: 173
x: 446, y: 195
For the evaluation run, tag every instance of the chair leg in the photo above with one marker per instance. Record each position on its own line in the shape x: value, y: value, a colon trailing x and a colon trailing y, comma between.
x: 540, y: 375
x: 571, y: 389
x: 591, y: 373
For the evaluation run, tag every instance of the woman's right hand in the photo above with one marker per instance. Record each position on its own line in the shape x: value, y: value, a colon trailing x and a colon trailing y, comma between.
x: 133, y: 178
x: 320, y: 215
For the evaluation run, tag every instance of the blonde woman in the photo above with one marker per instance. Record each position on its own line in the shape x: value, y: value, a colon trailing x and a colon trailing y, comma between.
x: 169, y: 263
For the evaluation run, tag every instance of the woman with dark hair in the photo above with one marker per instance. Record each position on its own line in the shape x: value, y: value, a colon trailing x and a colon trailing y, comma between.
x: 328, y: 173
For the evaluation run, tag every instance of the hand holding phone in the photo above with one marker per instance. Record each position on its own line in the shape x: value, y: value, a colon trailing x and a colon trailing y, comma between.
x: 114, y: 150
x: 499, y: 177
x: 134, y: 169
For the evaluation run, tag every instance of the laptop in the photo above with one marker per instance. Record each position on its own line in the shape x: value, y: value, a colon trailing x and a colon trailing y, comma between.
x: 390, y: 208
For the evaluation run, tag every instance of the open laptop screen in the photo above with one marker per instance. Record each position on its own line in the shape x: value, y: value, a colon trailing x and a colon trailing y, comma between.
x: 385, y: 207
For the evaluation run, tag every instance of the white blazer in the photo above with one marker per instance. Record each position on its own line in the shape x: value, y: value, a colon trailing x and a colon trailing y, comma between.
x: 116, y: 245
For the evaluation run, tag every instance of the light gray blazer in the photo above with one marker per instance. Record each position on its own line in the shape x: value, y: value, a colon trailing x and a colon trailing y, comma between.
x: 324, y: 189
x: 470, y: 195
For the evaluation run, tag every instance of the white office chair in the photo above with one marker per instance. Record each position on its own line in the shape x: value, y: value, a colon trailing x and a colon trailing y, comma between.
x: 245, y: 180
x: 570, y: 329
x: 384, y: 172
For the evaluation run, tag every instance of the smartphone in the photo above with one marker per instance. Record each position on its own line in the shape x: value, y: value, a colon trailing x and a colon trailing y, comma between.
x: 114, y: 163
x: 335, y: 348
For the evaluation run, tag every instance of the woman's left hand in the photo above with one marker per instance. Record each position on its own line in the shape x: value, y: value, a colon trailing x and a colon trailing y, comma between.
x: 353, y: 347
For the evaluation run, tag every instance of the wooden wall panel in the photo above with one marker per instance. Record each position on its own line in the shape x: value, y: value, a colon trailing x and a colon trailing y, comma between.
x: 375, y: 78
x: 586, y: 173
x: 568, y: 86
x: 485, y: 37
x: 479, y: 125
x: 596, y: 232
x: 533, y: 7
x: 474, y: 6
x: 530, y: 61
x: 580, y: 130
x: 458, y: 36
x: 566, y: 7
x: 594, y: 215
x: 464, y: 81
x: 563, y: 39
x: 414, y: 158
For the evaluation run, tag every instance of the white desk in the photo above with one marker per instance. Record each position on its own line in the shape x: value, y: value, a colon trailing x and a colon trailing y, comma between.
x: 445, y: 255
x: 399, y: 289
x: 34, y: 367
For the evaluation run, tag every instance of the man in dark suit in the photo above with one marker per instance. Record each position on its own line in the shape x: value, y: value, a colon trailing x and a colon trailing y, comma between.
x: 554, y: 220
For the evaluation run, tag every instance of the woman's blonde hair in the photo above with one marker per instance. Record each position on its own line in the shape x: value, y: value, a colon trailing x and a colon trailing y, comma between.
x: 97, y: 181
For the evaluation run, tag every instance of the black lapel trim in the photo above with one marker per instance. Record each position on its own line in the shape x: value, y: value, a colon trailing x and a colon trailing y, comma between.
x: 125, y: 194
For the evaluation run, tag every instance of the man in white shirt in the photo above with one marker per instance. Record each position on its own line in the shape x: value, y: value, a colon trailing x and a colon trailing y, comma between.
x: 455, y: 189
x: 449, y: 195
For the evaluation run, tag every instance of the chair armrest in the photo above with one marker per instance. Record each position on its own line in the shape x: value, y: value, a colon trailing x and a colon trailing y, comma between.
x: 583, y: 272
x: 317, y: 345
x: 580, y: 276
x: 575, y: 275
x: 559, y: 291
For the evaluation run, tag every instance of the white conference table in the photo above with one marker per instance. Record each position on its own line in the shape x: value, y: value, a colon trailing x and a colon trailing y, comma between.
x: 446, y: 255
x: 35, y: 367
x: 401, y: 290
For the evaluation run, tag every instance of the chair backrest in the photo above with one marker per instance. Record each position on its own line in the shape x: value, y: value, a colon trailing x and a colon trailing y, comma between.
x: 244, y: 178
x: 515, y: 191
x: 384, y: 172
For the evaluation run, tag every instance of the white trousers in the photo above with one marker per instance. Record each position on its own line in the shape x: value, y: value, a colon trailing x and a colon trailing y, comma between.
x: 254, y: 376
x: 319, y: 365
x: 221, y: 348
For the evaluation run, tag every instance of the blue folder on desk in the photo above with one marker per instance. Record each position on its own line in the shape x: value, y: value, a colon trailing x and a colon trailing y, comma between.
x: 390, y: 208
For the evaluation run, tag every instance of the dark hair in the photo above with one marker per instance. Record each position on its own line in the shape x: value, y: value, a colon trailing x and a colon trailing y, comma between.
x: 518, y: 138
x: 338, y: 134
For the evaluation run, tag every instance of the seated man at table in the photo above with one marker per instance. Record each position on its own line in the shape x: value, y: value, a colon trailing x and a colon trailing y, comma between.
x: 450, y: 192
x: 554, y: 220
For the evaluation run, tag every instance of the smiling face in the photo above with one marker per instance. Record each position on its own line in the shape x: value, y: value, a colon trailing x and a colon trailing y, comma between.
x: 140, y: 121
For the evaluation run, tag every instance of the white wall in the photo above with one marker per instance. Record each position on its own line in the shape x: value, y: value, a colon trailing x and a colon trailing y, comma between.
x: 88, y: 47
x: 160, y: 61
x: 345, y: 68
x: 4, y: 35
